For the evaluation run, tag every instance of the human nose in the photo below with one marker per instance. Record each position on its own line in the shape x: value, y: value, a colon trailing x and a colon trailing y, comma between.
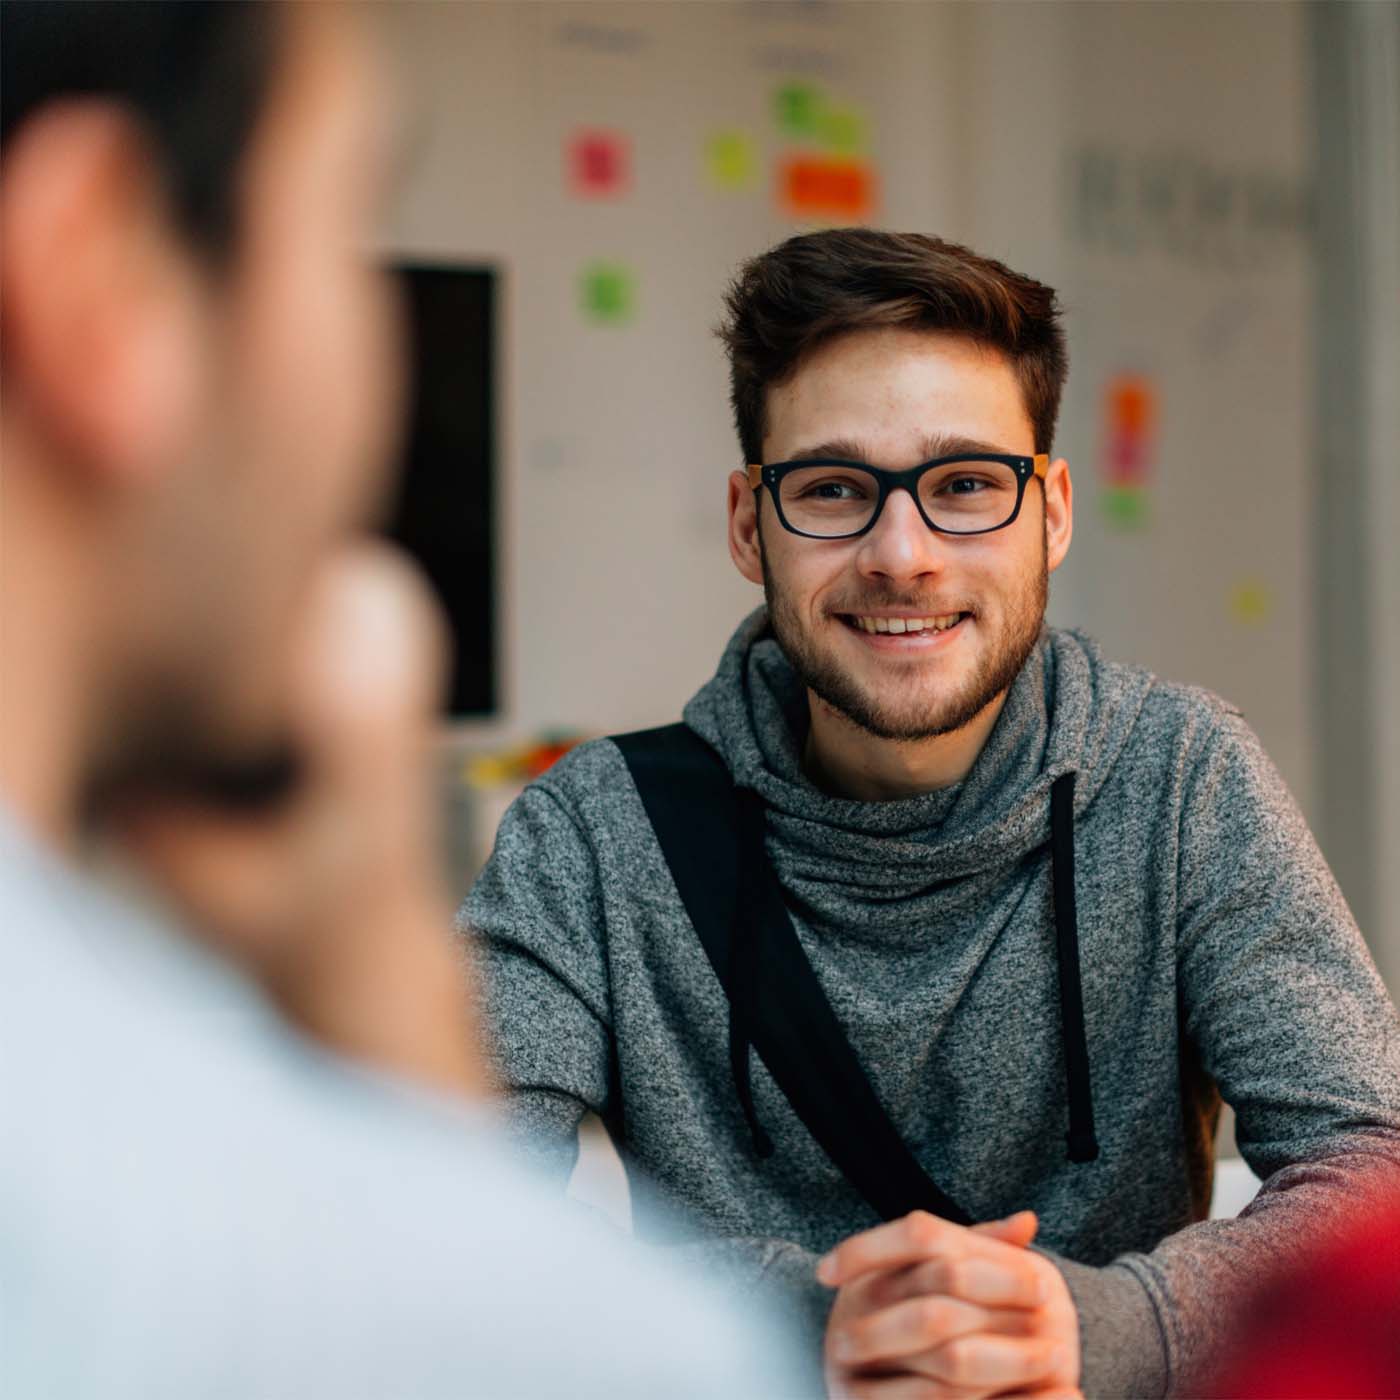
x: 900, y: 547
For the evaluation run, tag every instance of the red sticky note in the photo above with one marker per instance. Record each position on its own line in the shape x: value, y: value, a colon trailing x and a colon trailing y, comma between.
x: 599, y: 164
x: 1130, y: 430
x: 819, y: 187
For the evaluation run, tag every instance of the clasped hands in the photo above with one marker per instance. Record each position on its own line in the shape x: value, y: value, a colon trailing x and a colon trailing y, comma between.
x: 929, y: 1310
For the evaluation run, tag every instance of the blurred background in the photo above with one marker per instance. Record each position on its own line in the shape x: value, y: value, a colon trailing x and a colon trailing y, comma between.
x: 1211, y: 187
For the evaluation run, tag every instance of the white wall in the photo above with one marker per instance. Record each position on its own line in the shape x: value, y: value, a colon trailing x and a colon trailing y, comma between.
x: 1194, y: 271
x: 1356, y: 53
x: 1379, y: 42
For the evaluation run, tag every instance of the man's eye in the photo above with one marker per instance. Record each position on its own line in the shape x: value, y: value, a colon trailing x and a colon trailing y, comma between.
x: 964, y: 486
x: 833, y: 491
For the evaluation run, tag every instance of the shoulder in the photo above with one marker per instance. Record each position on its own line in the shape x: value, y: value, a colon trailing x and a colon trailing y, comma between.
x: 1159, y: 713
x: 592, y: 775
x: 584, y: 769
x: 1188, y: 716
x: 559, y: 841
x: 593, y: 790
x: 265, y: 1180
x: 567, y: 804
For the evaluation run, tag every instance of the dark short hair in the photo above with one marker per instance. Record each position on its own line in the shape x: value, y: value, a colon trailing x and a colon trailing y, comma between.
x: 194, y: 73
x: 789, y: 300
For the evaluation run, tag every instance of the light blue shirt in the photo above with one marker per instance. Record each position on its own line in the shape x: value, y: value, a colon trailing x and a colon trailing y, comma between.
x: 196, y: 1203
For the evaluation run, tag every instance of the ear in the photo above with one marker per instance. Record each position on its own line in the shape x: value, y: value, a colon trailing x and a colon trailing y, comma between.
x: 1059, y: 513
x: 104, y: 343
x: 744, y: 547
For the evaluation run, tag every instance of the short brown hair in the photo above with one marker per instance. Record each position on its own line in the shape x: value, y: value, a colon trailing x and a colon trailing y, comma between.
x: 787, y: 301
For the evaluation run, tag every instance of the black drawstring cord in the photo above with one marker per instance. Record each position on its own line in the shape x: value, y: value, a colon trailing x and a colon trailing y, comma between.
x: 742, y: 948
x: 1083, y: 1144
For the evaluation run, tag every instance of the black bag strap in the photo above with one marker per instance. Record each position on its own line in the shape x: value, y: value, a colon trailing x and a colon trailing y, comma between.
x: 712, y: 837
x: 1081, y: 1138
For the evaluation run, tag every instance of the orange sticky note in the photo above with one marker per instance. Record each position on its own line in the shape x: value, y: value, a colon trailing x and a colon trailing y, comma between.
x: 1129, y: 446
x: 819, y: 187
x: 1132, y: 404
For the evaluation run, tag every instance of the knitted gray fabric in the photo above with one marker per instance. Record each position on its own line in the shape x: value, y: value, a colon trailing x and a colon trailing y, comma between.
x: 1216, y: 950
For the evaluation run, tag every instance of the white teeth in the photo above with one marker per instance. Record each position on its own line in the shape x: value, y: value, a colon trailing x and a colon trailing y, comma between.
x: 898, y: 625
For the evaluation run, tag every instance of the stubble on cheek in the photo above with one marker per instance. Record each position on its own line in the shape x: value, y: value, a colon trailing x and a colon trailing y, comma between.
x: 908, y: 708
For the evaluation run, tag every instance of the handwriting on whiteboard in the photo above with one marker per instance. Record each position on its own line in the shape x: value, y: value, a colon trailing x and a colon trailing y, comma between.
x: 1184, y: 205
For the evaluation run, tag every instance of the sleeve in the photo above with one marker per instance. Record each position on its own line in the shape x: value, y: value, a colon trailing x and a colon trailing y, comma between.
x: 1284, y: 1005
x: 534, y: 924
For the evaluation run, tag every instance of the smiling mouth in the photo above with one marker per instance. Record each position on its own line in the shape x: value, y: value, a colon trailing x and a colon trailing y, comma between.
x: 897, y: 626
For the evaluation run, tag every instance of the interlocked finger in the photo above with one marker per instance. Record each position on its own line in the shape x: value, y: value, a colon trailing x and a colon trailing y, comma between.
x: 975, y: 1268
x: 990, y: 1364
x: 934, y: 1277
x: 918, y: 1323
x: 910, y: 1387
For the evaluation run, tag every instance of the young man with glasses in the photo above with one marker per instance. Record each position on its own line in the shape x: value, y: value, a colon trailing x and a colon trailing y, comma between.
x: 1002, y: 919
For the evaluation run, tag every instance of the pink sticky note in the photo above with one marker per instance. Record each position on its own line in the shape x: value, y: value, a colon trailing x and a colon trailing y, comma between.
x: 599, y: 164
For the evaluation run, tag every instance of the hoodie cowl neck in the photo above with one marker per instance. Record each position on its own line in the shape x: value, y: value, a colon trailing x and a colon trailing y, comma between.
x: 877, y: 862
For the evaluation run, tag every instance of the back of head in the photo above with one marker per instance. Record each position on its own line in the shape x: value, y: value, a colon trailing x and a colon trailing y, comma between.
x: 199, y: 369
x: 195, y: 74
x: 812, y: 288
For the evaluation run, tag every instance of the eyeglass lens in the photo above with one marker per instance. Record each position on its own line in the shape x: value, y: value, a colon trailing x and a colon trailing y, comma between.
x: 961, y: 497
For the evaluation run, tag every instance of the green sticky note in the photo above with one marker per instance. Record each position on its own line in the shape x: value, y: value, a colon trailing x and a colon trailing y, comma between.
x: 799, y: 108
x: 731, y: 160
x: 608, y: 293
x: 845, y: 131
x: 1125, y: 507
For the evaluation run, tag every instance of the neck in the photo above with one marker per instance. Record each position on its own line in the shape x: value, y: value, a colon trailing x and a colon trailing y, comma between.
x: 50, y: 686
x: 847, y: 761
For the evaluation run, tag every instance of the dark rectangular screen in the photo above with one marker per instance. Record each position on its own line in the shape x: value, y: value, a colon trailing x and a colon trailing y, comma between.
x: 445, y: 515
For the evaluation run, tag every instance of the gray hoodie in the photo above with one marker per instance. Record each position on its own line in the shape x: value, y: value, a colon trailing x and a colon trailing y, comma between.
x: 1219, y: 958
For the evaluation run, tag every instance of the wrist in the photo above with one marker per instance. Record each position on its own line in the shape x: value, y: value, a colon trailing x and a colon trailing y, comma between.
x: 1121, y: 1348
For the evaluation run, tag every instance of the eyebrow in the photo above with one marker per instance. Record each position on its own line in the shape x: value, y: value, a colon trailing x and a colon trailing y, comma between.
x: 934, y: 445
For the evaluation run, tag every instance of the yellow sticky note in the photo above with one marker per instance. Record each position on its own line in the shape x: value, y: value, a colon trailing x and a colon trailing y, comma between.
x: 731, y: 160
x: 1251, y: 602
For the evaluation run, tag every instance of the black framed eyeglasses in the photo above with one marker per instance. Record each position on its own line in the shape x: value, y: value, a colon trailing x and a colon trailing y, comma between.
x: 828, y: 499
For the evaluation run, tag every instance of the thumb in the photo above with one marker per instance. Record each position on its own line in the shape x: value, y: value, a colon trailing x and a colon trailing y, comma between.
x: 1018, y: 1229
x: 372, y: 662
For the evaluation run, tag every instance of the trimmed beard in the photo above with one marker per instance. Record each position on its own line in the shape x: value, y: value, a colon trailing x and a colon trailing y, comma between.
x: 169, y: 748
x: 1001, y: 663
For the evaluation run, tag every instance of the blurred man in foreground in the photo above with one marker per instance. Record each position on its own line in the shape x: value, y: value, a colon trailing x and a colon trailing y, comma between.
x: 199, y: 389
